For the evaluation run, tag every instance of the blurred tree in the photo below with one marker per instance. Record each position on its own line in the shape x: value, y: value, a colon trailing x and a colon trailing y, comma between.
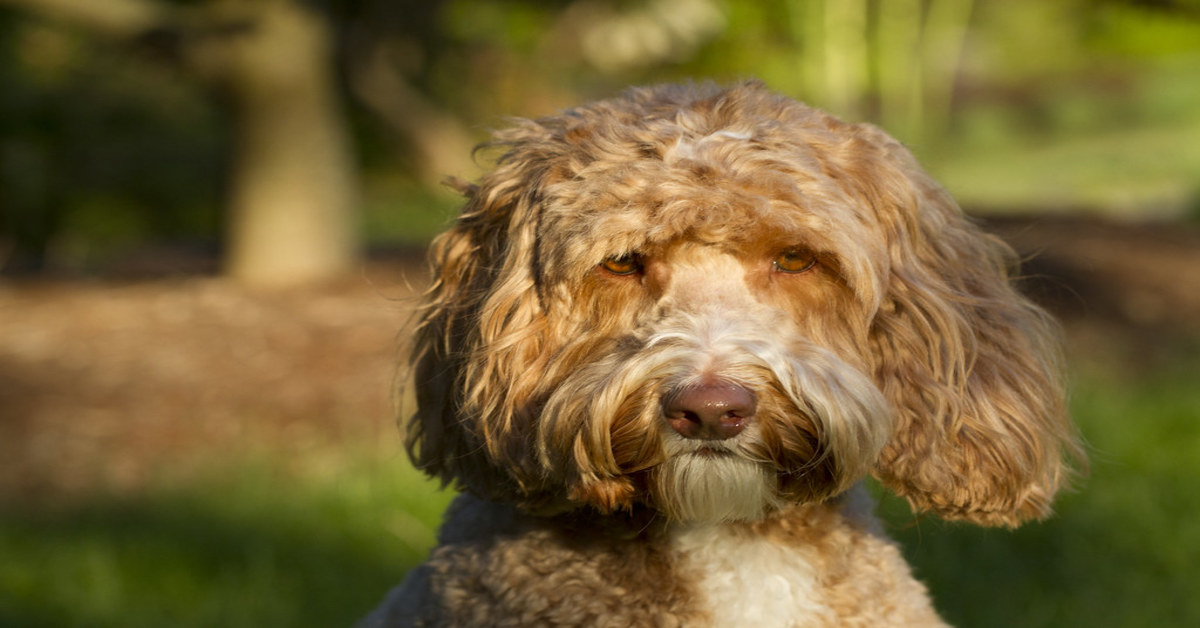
x: 291, y: 186
x: 390, y: 48
x: 432, y: 75
x: 292, y: 189
x: 895, y: 60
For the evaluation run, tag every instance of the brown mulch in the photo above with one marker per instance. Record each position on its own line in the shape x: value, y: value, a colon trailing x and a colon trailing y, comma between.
x: 1135, y: 275
x: 107, y: 384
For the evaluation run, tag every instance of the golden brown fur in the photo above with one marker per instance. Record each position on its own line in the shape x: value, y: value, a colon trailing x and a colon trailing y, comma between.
x: 774, y: 249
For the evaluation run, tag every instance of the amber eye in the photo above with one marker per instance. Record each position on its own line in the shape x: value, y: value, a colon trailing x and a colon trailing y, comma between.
x: 627, y: 264
x: 795, y: 261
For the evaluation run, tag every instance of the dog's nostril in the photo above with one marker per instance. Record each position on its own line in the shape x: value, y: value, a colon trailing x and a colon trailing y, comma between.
x: 710, y: 412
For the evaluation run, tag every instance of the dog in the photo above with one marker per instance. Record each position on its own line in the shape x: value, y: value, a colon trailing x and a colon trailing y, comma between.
x: 669, y: 335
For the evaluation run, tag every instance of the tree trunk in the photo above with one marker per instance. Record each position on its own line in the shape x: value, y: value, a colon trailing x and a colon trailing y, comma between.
x: 292, y: 185
x: 292, y: 198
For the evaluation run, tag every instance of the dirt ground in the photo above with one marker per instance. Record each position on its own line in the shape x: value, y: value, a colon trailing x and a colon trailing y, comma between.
x: 107, y: 384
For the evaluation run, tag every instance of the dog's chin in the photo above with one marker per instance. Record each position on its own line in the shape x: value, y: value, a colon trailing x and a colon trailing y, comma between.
x: 709, y: 486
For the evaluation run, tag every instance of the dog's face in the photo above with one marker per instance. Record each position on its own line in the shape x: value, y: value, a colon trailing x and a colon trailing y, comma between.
x: 716, y: 302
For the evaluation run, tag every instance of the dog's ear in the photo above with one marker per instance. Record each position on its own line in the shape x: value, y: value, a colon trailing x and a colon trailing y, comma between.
x: 971, y: 366
x: 480, y: 339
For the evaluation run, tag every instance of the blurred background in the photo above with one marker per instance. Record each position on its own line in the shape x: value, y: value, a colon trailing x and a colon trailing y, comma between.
x: 212, y: 218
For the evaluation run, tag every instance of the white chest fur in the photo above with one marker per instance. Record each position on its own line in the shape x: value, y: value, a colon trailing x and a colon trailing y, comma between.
x: 746, y: 580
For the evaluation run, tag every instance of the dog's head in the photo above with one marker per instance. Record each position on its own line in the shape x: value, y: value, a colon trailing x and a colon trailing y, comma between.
x: 717, y: 301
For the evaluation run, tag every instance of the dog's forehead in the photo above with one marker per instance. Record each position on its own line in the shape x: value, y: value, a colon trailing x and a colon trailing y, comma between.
x: 636, y: 206
x: 715, y: 188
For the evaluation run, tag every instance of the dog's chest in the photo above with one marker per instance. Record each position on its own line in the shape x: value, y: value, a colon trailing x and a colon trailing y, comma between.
x: 746, y: 580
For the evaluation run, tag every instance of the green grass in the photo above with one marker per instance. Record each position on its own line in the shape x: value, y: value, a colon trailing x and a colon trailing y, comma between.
x: 241, y: 547
x: 1131, y: 152
x: 251, y: 545
x: 1148, y: 171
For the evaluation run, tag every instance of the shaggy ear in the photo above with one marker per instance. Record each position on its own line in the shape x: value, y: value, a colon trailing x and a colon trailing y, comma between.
x: 480, y: 338
x: 971, y: 366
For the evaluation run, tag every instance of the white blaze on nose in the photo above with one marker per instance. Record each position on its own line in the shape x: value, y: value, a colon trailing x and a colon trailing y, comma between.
x: 704, y: 278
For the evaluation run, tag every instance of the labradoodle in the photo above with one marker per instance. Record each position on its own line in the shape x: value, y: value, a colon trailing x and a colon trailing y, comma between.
x: 669, y: 335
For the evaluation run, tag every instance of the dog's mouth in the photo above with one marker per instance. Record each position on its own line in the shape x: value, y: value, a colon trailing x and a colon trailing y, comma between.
x: 706, y: 449
x: 710, y: 452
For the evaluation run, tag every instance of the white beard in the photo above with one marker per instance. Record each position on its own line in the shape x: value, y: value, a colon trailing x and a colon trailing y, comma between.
x: 708, y: 486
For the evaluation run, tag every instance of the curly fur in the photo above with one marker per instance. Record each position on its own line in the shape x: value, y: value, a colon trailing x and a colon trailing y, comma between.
x: 904, y: 351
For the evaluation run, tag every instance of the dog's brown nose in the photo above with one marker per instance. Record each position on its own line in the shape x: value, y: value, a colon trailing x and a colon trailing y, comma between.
x: 710, y: 412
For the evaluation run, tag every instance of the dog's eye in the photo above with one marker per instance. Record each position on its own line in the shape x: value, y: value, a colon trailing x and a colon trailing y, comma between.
x: 795, y: 261
x: 627, y: 264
